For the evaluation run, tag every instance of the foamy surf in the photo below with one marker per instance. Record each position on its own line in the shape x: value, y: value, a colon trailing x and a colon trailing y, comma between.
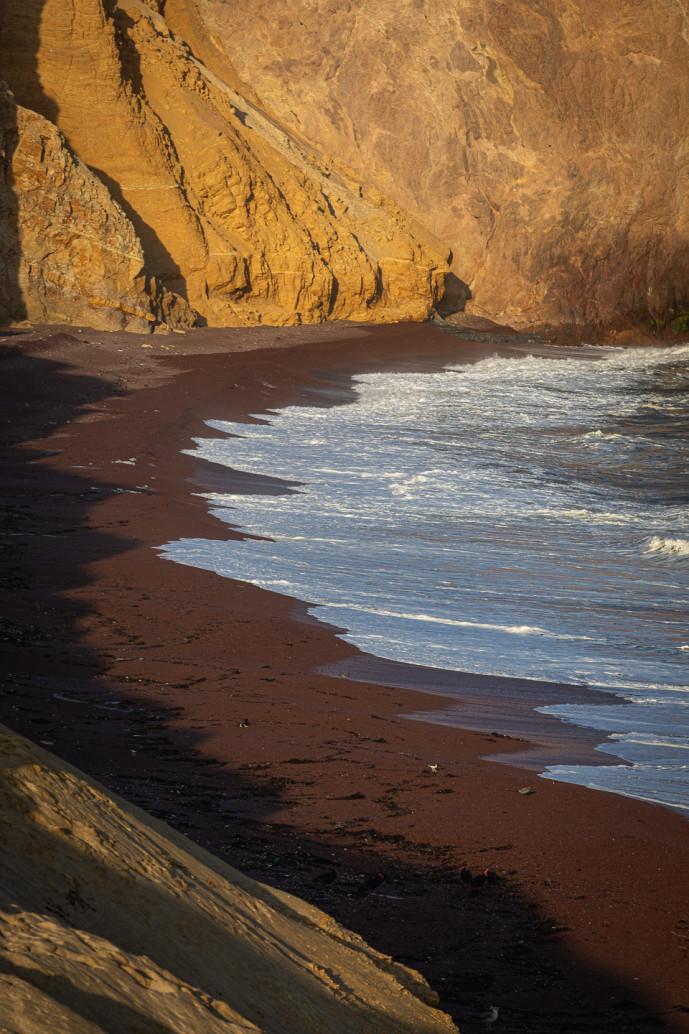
x: 528, y: 513
x: 521, y: 630
x: 672, y: 549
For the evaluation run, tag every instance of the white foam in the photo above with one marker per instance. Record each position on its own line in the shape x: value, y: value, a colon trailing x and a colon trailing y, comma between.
x: 597, y: 436
x: 674, y: 548
x: 591, y: 516
x: 644, y: 783
x: 648, y: 739
x: 484, y: 518
x: 520, y: 630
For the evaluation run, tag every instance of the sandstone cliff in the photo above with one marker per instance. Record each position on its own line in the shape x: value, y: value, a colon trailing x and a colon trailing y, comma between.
x: 235, y: 219
x: 546, y: 143
x: 254, y: 149
x: 67, y: 248
x: 110, y: 921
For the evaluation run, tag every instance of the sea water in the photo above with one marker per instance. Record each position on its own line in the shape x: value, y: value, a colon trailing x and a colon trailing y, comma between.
x: 523, y: 515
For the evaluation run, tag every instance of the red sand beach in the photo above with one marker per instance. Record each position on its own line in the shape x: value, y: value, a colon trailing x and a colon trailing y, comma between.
x: 203, y: 699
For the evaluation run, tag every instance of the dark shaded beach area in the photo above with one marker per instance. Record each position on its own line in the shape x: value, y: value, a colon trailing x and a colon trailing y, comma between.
x: 233, y: 715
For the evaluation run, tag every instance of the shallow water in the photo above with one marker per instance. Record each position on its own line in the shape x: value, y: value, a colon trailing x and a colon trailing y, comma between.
x: 521, y: 515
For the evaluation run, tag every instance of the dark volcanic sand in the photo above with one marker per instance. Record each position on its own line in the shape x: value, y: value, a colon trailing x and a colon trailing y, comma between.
x: 142, y: 672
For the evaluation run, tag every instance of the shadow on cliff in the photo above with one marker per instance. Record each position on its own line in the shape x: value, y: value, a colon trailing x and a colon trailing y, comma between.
x: 20, y: 73
x: 455, y: 295
x: 12, y: 307
x: 476, y: 947
x: 20, y: 66
x: 157, y: 257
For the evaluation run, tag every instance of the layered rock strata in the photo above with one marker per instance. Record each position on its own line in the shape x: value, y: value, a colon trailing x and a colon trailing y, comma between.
x: 109, y: 920
x: 254, y: 150
x: 546, y: 143
x: 237, y: 222
x: 67, y: 250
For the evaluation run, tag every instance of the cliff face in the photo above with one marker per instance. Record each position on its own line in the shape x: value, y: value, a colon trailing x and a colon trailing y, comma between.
x: 67, y: 247
x: 253, y: 149
x: 546, y: 143
x: 235, y: 220
x: 110, y: 921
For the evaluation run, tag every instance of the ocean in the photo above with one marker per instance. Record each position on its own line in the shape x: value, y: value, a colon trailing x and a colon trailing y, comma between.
x: 524, y: 514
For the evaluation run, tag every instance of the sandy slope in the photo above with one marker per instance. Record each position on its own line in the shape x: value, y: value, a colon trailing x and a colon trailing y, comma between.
x: 111, y: 921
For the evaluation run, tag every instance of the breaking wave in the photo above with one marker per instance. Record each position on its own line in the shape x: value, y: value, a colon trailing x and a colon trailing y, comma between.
x: 523, y: 514
x: 673, y: 549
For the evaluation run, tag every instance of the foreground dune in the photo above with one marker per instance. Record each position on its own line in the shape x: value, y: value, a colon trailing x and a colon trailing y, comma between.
x: 112, y: 921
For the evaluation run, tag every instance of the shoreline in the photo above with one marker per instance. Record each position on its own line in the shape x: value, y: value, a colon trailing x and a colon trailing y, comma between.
x: 472, y: 700
x: 115, y: 648
x: 492, y: 704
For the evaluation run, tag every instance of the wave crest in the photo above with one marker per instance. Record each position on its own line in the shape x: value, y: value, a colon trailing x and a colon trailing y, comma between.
x: 674, y: 549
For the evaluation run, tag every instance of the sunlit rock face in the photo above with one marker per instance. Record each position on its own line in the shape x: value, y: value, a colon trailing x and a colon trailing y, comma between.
x: 310, y: 159
x: 545, y: 143
x: 68, y: 253
x: 236, y: 221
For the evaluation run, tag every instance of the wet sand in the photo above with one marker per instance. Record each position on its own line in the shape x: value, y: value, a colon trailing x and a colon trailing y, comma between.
x: 222, y: 708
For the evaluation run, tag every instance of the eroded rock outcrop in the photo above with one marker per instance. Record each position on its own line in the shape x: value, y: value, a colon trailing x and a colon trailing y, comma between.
x: 235, y: 217
x: 67, y: 250
x: 109, y: 920
x: 546, y: 143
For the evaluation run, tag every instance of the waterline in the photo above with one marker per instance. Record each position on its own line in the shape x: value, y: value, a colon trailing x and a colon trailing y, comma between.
x: 441, y: 506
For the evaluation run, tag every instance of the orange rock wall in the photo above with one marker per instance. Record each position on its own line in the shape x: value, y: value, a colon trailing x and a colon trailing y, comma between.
x: 545, y: 143
x: 67, y: 250
x: 237, y: 221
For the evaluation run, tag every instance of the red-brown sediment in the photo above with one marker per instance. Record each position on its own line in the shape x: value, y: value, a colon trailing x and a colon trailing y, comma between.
x: 198, y: 698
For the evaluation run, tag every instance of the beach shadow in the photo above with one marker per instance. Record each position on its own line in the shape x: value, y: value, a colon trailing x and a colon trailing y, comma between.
x: 476, y: 946
x: 42, y: 517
